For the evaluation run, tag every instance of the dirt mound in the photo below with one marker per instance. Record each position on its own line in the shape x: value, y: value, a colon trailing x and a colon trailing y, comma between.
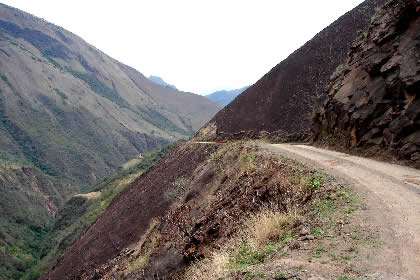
x: 280, y: 104
x: 371, y: 102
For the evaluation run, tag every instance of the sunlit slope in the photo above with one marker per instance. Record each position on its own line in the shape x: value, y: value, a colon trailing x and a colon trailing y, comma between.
x: 69, y: 115
x: 76, y: 106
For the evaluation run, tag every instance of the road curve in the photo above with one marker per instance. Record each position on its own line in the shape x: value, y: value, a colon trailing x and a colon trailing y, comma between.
x: 393, y: 195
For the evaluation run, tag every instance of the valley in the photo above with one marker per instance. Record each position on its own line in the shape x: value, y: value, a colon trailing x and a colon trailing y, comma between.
x: 310, y: 173
x: 70, y: 115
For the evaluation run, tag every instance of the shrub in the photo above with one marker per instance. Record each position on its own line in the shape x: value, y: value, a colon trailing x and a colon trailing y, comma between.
x: 214, y: 267
x: 267, y: 226
x: 316, y: 181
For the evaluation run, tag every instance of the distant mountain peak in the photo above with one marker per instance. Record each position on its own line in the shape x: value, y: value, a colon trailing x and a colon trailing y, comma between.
x: 226, y: 96
x: 158, y: 80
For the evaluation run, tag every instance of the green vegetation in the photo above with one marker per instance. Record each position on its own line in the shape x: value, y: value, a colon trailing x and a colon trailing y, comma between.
x: 345, y: 278
x: 249, y: 159
x: 254, y: 274
x: 3, y: 51
x: 245, y: 256
x: 160, y: 121
x: 59, y: 136
x: 61, y: 94
x: 316, y: 180
x: 262, y: 237
x: 23, y: 225
x: 81, y: 210
x: 25, y: 143
x: 325, y: 207
x: 99, y: 87
x: 53, y: 62
x: 6, y: 81
x: 284, y: 276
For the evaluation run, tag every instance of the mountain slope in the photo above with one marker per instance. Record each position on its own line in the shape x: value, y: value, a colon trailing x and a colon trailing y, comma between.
x: 70, y: 114
x: 59, y: 91
x: 195, y: 197
x: 279, y: 106
x: 160, y: 81
x: 226, y: 96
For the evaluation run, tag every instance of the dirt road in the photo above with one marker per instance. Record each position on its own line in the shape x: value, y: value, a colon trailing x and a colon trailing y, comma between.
x: 392, y: 195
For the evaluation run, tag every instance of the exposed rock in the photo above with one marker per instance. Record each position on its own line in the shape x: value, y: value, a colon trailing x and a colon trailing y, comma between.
x: 304, y: 231
x: 374, y: 104
x: 306, y: 237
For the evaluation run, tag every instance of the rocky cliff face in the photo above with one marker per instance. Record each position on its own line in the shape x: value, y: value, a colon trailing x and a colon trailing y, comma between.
x: 280, y: 104
x: 372, y: 100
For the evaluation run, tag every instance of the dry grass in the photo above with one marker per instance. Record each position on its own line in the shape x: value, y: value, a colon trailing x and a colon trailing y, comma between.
x: 265, y: 227
x: 91, y: 195
x: 214, y: 267
x: 133, y: 162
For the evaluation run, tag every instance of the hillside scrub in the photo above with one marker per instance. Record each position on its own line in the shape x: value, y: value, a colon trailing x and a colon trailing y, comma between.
x: 238, y: 208
x: 234, y: 210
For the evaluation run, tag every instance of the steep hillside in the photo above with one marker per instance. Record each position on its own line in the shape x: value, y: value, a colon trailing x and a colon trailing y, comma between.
x: 279, y: 106
x: 79, y: 212
x: 226, y: 96
x: 223, y: 211
x: 69, y: 115
x: 65, y: 104
x: 372, y: 102
x: 28, y: 201
x: 160, y: 81
x: 239, y: 210
x: 121, y: 225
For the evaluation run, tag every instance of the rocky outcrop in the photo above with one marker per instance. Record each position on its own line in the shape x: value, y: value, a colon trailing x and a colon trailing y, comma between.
x: 372, y: 102
x: 279, y: 106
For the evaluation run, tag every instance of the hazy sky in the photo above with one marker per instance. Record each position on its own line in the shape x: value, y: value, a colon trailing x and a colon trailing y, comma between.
x: 199, y: 46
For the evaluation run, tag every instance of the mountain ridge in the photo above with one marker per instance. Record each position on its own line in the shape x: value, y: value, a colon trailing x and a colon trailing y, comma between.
x: 160, y: 81
x: 226, y: 96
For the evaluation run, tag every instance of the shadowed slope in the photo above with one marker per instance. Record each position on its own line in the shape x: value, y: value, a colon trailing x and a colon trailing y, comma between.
x: 280, y: 104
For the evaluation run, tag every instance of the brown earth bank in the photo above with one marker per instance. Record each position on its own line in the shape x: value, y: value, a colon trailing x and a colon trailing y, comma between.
x: 199, y: 214
x: 180, y: 210
x: 280, y: 104
x: 371, y: 104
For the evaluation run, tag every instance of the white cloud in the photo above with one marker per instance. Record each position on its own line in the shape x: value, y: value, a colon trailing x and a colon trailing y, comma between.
x: 197, y: 45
